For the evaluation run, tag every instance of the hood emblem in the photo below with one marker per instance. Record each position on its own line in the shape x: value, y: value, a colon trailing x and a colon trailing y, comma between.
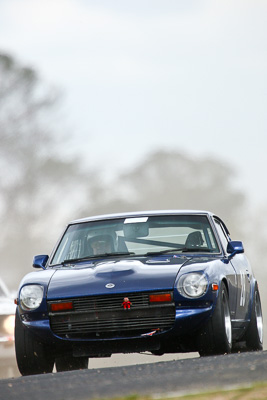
x: 126, y: 304
x: 110, y: 285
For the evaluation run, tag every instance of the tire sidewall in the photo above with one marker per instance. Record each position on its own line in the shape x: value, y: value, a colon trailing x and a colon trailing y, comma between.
x: 222, y: 344
x: 253, y: 340
x: 32, y: 356
x: 212, y: 338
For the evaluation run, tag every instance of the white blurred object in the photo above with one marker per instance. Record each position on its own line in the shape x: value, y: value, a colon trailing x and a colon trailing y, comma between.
x: 7, y: 315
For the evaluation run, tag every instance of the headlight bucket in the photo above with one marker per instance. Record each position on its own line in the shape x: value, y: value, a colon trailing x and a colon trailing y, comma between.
x: 31, y: 297
x: 192, y: 285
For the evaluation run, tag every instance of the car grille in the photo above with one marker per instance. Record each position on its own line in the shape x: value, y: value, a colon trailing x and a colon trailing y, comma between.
x: 100, y: 317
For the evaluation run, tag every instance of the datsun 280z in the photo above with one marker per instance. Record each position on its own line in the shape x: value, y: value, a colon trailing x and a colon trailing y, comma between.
x: 160, y: 282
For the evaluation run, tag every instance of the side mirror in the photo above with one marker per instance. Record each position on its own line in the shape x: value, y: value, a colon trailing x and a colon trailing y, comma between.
x: 40, y: 261
x: 234, y: 247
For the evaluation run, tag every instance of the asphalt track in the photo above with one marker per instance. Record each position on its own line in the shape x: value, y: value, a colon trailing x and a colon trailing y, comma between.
x: 171, y: 377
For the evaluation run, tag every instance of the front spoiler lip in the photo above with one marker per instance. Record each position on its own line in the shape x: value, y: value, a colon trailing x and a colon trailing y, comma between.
x: 186, y: 321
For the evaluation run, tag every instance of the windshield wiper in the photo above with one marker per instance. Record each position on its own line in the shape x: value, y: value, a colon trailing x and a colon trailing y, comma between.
x: 196, y: 249
x: 74, y: 260
x: 116, y: 253
x: 152, y: 253
x: 182, y: 249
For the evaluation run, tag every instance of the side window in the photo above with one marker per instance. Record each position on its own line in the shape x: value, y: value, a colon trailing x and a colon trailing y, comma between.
x: 222, y: 234
x: 211, y: 239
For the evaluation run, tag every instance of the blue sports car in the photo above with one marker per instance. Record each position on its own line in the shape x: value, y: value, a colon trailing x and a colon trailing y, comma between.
x: 157, y: 281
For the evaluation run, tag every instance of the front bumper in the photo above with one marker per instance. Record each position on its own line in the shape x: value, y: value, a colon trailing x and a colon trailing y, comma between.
x: 186, y: 323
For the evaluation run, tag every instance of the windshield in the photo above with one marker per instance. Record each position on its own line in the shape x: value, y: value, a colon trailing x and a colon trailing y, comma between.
x: 136, y: 236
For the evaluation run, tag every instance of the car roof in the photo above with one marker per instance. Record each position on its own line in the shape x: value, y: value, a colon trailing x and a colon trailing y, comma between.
x: 141, y: 214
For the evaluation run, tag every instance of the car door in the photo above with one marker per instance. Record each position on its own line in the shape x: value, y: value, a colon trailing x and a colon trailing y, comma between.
x: 241, y: 265
x: 243, y: 274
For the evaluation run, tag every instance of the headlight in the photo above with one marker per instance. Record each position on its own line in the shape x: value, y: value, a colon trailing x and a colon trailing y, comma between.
x: 31, y: 297
x: 192, y: 285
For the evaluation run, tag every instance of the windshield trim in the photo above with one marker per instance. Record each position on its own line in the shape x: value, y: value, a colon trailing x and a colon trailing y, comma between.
x: 120, y: 218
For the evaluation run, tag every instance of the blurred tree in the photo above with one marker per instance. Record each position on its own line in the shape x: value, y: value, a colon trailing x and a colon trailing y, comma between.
x: 36, y: 183
x: 171, y: 180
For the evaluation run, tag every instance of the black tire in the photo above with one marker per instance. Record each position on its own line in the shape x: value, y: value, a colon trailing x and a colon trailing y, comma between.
x: 254, y: 334
x: 33, y: 357
x: 70, y: 363
x: 216, y: 336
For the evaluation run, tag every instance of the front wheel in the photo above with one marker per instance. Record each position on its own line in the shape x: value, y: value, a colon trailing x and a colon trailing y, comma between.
x: 33, y: 357
x: 254, y: 334
x: 70, y: 363
x: 216, y: 336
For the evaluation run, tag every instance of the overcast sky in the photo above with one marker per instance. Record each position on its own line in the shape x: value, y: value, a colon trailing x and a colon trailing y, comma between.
x: 187, y: 75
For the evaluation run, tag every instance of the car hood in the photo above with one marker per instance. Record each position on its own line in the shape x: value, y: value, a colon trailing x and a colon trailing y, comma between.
x: 123, y: 276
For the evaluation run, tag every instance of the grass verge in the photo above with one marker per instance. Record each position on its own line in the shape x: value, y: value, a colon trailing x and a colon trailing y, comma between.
x: 256, y: 391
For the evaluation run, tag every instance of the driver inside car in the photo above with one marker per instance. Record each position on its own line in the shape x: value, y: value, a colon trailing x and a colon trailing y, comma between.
x: 101, y: 244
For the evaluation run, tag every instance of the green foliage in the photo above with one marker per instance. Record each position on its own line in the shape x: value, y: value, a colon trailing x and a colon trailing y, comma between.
x: 257, y: 391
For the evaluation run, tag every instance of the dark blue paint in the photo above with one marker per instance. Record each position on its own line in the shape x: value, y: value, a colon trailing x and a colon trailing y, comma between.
x: 127, y: 275
x: 144, y: 274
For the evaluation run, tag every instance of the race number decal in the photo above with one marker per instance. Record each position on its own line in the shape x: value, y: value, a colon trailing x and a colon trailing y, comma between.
x: 243, y: 289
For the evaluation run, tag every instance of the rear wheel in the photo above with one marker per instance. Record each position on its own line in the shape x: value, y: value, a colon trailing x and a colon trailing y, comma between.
x: 70, y: 363
x: 33, y: 357
x: 254, y: 334
x: 216, y: 336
